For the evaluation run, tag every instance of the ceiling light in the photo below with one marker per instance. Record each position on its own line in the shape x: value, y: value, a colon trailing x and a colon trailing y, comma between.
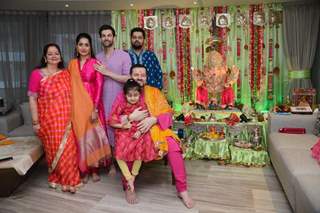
x: 195, y: 2
x: 66, y: 5
x: 131, y: 4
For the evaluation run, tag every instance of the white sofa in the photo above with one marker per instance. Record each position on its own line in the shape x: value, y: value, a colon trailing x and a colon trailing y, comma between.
x: 290, y: 155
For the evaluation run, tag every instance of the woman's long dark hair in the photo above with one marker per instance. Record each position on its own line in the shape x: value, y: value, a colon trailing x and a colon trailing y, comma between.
x: 43, y: 61
x: 87, y: 36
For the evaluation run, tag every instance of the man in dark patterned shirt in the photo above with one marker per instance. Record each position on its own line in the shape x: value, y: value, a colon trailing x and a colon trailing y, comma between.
x: 148, y: 58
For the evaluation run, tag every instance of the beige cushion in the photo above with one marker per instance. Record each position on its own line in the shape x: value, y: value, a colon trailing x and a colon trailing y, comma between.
x: 290, y: 162
x: 284, y: 175
x: 24, y: 130
x: 10, y: 121
x: 300, y: 162
x: 26, y: 114
x: 293, y: 141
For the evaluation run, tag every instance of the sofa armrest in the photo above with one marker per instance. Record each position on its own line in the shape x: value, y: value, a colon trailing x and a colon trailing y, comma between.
x: 277, y: 121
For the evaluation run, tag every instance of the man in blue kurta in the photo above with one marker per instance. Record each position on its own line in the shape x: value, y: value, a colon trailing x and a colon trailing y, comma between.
x: 148, y: 58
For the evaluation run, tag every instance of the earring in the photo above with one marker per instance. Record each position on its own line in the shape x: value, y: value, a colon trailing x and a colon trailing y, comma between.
x: 45, y: 60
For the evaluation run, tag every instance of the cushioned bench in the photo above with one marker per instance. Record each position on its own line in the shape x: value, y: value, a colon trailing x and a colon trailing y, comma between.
x: 290, y: 155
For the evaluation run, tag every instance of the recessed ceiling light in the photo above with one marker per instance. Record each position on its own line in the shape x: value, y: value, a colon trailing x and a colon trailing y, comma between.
x: 131, y: 4
x: 66, y: 5
x: 195, y: 2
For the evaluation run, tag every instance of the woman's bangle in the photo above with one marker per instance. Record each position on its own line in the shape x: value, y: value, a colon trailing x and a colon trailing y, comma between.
x: 35, y: 123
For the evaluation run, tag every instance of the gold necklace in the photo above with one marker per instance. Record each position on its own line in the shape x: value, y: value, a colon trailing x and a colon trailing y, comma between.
x: 47, y: 72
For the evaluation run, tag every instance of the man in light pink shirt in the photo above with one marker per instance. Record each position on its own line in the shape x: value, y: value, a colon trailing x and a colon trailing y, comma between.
x: 115, y: 65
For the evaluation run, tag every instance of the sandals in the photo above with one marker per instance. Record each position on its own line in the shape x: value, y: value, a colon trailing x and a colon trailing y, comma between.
x: 95, y: 177
x: 70, y: 189
x: 85, y: 179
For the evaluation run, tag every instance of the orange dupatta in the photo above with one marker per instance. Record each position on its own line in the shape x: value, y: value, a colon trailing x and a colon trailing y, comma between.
x: 157, y: 105
x: 91, y: 137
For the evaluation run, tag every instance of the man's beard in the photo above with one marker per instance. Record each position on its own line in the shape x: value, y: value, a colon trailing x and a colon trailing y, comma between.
x: 107, y: 44
x: 136, y: 46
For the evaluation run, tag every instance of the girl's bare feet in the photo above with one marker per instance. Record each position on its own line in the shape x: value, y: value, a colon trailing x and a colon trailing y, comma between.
x: 131, y: 183
x: 131, y: 196
x: 186, y: 199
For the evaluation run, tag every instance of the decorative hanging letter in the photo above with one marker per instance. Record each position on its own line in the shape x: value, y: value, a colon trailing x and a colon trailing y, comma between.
x: 204, y: 21
x: 275, y: 17
x: 168, y: 22
x: 258, y: 18
x: 185, y: 21
x: 223, y: 20
x: 241, y: 19
x: 150, y: 22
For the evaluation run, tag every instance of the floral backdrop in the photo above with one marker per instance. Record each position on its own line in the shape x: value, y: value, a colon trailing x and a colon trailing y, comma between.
x: 247, y: 36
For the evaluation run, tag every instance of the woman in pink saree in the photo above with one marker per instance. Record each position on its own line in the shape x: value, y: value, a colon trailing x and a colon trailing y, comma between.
x: 88, y: 112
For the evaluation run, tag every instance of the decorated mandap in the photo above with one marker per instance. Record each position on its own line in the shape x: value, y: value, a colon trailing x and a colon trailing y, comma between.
x: 223, y: 70
x: 187, y: 41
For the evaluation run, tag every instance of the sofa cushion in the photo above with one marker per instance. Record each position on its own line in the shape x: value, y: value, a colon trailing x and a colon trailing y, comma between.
x: 283, y: 174
x: 307, y: 189
x: 300, y: 162
x: 290, y: 162
x: 26, y: 114
x: 24, y: 130
x: 292, y: 141
x: 10, y: 121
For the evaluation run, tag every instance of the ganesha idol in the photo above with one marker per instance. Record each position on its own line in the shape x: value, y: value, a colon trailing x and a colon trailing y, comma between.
x: 216, y: 81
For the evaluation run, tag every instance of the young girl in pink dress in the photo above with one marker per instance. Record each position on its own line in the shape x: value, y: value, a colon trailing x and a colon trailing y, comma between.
x: 130, y: 143
x: 315, y: 151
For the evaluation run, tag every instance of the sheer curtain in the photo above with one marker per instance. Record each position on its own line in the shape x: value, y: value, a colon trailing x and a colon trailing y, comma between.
x: 301, y: 28
x: 65, y: 26
x: 316, y: 69
x: 22, y: 36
